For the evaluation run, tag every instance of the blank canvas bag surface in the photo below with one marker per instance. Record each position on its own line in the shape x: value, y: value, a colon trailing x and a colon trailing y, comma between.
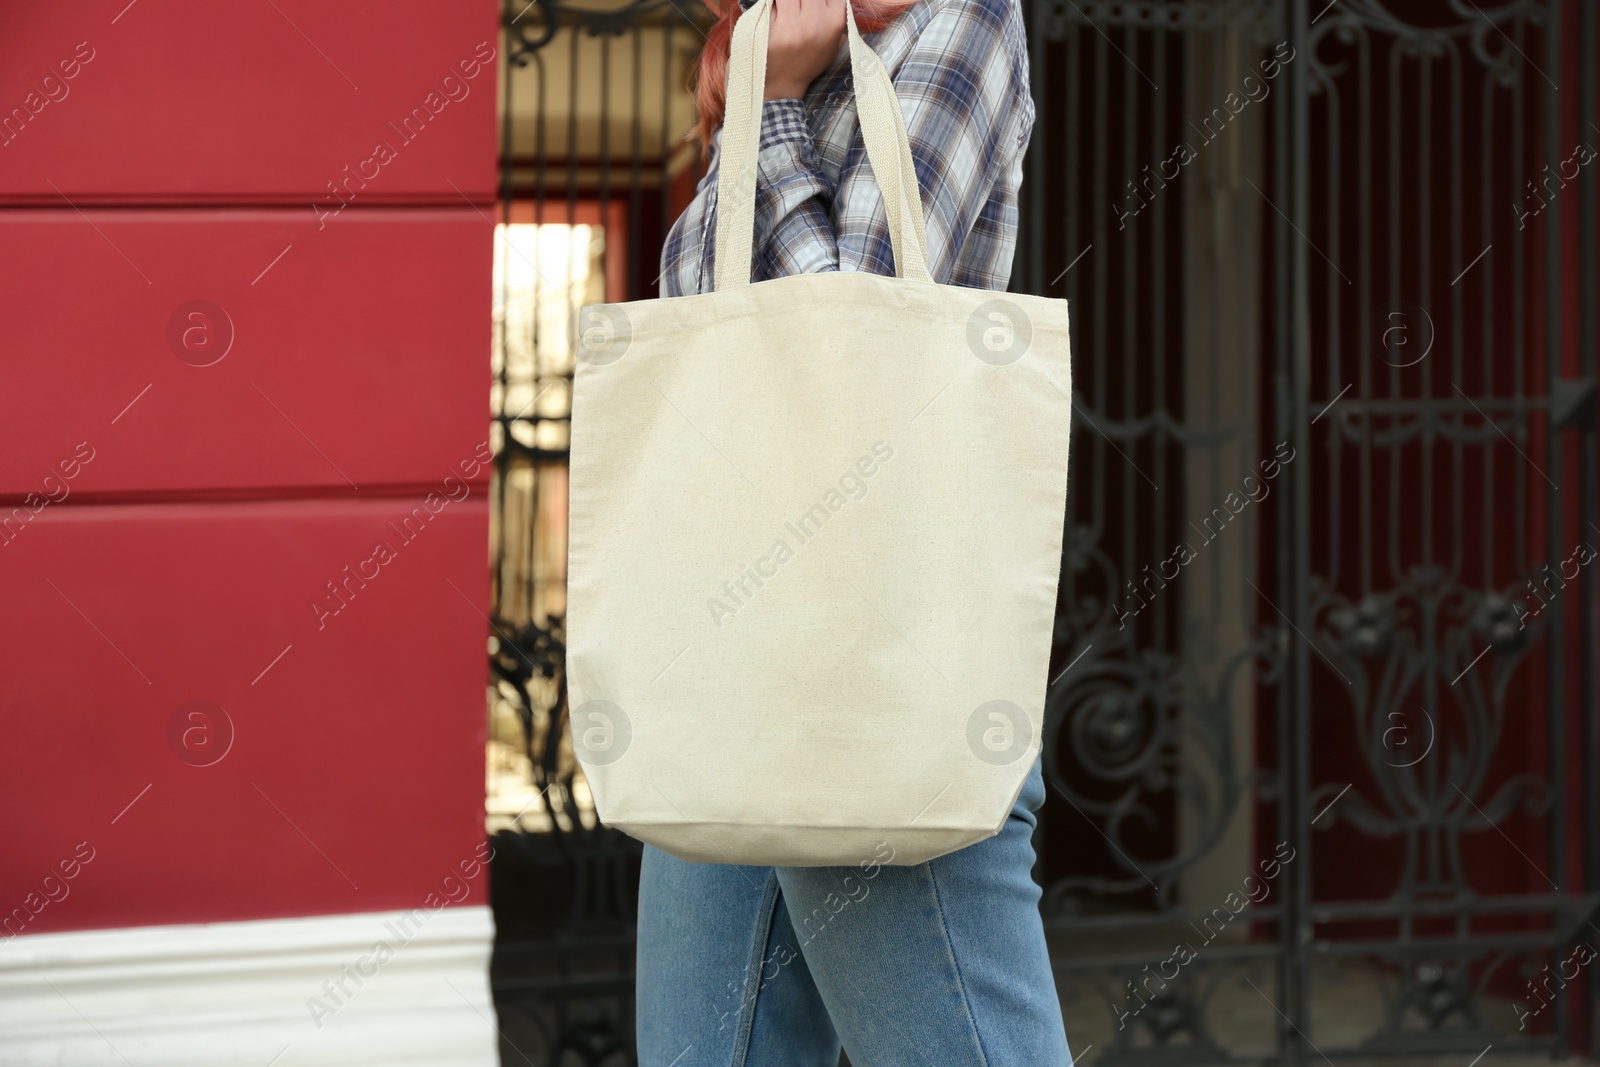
x: 815, y: 535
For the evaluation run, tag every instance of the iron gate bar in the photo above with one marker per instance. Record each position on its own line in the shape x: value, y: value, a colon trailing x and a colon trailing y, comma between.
x: 1431, y: 985
x: 1131, y: 40
x: 1294, y: 162
x: 1589, y: 460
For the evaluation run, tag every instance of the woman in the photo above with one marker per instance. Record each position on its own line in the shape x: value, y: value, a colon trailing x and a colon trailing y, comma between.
x: 942, y: 964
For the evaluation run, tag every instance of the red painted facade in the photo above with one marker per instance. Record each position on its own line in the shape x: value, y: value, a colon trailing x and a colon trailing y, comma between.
x: 244, y: 372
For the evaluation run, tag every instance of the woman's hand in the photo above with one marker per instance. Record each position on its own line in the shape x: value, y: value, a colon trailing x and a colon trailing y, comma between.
x: 804, y: 39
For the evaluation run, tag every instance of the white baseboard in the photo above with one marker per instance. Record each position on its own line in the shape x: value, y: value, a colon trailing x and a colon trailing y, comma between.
x: 253, y: 993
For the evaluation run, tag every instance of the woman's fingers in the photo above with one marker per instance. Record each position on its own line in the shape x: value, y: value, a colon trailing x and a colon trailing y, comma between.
x: 785, y: 13
x: 802, y: 41
x: 831, y: 15
x: 808, y: 19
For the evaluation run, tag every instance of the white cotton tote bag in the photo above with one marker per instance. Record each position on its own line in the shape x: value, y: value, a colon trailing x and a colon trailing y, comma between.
x: 815, y: 536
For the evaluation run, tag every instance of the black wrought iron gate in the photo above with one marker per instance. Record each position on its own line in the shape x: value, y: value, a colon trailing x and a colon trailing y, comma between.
x: 1322, y: 745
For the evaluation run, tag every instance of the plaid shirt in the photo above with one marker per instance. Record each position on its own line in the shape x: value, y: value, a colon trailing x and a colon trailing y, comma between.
x: 960, y: 69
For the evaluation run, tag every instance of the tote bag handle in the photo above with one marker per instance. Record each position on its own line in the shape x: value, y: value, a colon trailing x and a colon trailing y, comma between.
x: 883, y: 128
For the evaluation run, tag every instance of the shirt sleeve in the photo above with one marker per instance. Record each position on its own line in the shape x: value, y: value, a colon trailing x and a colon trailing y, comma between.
x: 963, y: 91
x: 790, y: 188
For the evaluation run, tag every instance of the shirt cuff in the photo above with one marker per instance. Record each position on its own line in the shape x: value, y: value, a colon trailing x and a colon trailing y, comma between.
x: 784, y: 122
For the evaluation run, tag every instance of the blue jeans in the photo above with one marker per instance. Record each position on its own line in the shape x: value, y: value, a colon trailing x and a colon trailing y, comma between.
x: 938, y: 965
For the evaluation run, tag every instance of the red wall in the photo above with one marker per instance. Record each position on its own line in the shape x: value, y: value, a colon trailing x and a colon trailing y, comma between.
x: 244, y: 337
